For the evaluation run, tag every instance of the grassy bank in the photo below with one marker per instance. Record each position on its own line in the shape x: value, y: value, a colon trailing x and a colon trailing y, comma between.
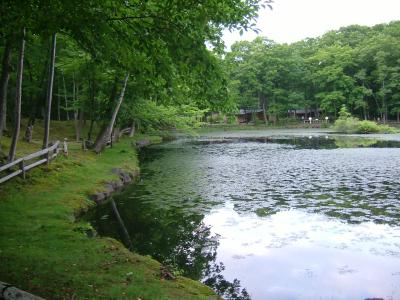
x: 207, y: 128
x: 45, y: 250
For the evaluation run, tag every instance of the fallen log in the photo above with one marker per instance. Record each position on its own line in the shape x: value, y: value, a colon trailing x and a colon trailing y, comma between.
x: 10, y: 292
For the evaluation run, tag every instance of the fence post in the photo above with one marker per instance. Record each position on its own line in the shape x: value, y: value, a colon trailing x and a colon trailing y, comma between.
x: 48, y: 157
x: 65, y: 147
x: 22, y: 167
x: 84, y: 145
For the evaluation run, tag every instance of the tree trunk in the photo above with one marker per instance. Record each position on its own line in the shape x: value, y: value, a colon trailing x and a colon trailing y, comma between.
x: 132, y: 131
x: 80, y: 124
x: 18, y: 94
x: 5, y: 76
x: 102, y: 132
x: 58, y: 100
x: 37, y: 102
x: 398, y: 116
x: 76, y: 110
x: 32, y: 99
x: 384, y: 107
x: 106, y: 134
x: 365, y: 112
x: 90, y: 129
x: 335, y: 110
x: 65, y: 96
x: 49, y: 93
x: 92, y: 88
x: 263, y: 102
x: 116, y: 110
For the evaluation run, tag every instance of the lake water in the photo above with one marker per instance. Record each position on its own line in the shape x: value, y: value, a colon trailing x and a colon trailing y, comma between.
x: 269, y: 214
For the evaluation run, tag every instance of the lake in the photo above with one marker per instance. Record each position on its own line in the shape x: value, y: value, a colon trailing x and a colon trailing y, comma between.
x: 273, y: 214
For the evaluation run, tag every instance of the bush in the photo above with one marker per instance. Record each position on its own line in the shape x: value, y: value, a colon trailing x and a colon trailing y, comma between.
x: 231, y: 119
x: 368, y: 127
x: 387, y: 129
x: 348, y: 124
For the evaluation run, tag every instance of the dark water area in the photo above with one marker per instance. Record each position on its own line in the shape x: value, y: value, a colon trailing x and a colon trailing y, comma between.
x: 305, y: 216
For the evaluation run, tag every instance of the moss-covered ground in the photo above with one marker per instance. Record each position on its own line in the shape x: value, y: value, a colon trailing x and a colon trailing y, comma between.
x: 44, y: 248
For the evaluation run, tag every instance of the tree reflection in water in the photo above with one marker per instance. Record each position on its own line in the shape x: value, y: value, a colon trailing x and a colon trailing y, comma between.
x: 177, y: 238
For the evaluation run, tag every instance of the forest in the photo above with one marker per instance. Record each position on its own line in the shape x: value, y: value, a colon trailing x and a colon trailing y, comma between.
x: 356, y: 66
x: 162, y: 64
x: 113, y: 63
x: 300, y: 212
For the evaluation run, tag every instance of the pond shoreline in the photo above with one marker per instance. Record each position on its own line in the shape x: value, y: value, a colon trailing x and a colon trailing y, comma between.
x: 46, y: 250
x: 329, y: 199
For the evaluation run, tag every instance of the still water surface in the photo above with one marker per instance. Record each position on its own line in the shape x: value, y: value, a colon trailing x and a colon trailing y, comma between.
x: 282, y: 215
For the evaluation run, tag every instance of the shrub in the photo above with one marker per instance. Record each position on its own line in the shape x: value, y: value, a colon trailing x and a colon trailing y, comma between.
x: 368, y: 127
x: 387, y: 129
x: 231, y: 119
x: 349, y: 124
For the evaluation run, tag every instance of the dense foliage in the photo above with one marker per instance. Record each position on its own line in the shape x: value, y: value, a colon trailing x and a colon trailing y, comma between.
x: 117, y: 63
x: 356, y: 66
x: 346, y: 123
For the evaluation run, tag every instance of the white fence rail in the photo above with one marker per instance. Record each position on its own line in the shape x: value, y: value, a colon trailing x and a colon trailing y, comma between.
x: 45, y: 156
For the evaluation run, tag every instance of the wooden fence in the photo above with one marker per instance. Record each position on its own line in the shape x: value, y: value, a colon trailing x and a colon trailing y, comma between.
x: 45, y: 156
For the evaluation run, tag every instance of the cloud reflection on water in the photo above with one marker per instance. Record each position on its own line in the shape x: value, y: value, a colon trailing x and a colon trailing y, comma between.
x: 317, y: 257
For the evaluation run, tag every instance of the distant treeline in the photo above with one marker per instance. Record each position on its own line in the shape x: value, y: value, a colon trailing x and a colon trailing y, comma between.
x: 356, y: 66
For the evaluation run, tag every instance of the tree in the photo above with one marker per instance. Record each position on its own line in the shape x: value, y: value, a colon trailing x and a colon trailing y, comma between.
x: 18, y: 96
x: 105, y: 136
x: 355, y: 65
x: 49, y: 93
x: 5, y: 76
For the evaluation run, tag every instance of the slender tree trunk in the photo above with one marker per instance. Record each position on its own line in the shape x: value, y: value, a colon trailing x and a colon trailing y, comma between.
x: 78, y: 113
x: 398, y: 117
x: 92, y: 86
x: 32, y: 100
x: 101, y: 135
x: 106, y: 134
x: 384, y: 107
x: 65, y: 96
x: 365, y: 104
x: 18, y: 96
x: 91, y: 129
x: 4, y: 122
x: 31, y: 121
x: 5, y: 76
x: 365, y: 112
x: 58, y: 100
x: 74, y: 98
x: 132, y: 131
x: 49, y: 93
x: 80, y: 124
x: 37, y: 102
x: 116, y: 110
x: 263, y: 104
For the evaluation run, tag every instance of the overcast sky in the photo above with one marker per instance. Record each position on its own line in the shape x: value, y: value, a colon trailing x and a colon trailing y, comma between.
x: 293, y: 20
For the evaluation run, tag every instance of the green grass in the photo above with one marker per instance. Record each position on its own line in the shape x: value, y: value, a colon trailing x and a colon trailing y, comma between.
x: 43, y: 245
x: 208, y: 128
